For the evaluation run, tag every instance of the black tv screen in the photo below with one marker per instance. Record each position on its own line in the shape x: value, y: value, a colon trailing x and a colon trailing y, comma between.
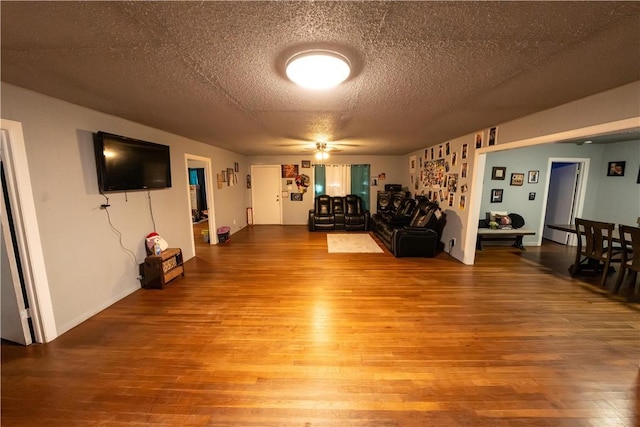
x: 130, y: 164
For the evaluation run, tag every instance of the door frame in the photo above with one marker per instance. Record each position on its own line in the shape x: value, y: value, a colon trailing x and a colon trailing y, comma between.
x: 208, y: 179
x: 16, y: 325
x: 581, y: 192
x: 28, y: 239
x: 479, y: 163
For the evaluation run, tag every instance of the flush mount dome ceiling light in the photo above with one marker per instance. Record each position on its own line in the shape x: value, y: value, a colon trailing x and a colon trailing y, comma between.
x: 318, y: 69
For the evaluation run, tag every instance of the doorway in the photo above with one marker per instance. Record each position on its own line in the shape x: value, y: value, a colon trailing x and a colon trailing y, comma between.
x: 564, y: 197
x: 17, y: 325
x: 265, y: 194
x: 201, y: 202
x: 37, y: 322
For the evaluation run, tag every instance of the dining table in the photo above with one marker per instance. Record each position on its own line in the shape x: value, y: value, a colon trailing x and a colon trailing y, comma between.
x: 571, y: 228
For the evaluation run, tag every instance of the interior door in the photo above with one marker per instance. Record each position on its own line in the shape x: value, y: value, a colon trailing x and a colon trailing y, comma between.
x: 265, y: 194
x: 561, y: 199
x: 15, y: 317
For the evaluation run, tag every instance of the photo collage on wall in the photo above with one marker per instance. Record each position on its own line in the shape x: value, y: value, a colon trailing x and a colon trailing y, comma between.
x: 441, y: 173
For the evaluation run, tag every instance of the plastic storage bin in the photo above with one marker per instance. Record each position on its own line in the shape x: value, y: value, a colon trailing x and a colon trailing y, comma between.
x: 223, y: 234
x: 205, y: 235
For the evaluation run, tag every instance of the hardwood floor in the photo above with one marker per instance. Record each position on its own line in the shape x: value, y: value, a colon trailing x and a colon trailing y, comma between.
x: 271, y: 330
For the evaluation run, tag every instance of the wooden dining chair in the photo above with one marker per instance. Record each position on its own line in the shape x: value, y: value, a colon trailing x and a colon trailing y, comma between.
x: 630, y: 240
x: 594, y: 247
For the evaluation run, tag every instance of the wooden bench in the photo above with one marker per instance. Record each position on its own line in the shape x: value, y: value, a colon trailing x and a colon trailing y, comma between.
x: 515, y: 234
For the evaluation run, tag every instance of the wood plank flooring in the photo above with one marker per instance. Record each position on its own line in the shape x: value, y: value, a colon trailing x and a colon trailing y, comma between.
x: 271, y: 330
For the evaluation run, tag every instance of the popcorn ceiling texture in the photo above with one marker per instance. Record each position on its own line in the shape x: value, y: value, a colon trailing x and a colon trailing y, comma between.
x: 424, y: 72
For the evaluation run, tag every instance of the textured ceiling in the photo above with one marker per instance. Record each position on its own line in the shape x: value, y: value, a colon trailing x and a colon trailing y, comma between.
x: 424, y: 72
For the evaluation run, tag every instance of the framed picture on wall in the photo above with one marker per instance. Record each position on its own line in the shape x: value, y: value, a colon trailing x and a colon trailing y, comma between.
x: 498, y: 172
x: 493, y: 136
x: 306, y: 164
x: 532, y: 196
x: 296, y: 197
x: 533, y: 177
x: 616, y: 169
x: 496, y: 195
x: 478, y: 139
x: 289, y: 171
x: 517, y: 178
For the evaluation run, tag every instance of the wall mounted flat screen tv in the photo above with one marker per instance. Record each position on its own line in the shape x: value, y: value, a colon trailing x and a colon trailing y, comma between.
x: 126, y: 164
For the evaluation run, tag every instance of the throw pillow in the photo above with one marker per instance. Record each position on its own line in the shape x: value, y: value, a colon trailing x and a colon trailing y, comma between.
x: 493, y: 214
x: 504, y: 221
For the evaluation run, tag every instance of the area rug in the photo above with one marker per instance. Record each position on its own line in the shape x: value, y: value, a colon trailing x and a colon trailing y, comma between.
x: 352, y: 243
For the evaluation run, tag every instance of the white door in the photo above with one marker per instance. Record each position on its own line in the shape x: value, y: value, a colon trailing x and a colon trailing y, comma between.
x: 265, y: 194
x: 561, y: 199
x: 15, y: 319
x: 28, y: 256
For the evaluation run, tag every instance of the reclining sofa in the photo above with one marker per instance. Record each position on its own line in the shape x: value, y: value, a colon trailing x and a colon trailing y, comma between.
x: 339, y: 213
x: 414, y: 229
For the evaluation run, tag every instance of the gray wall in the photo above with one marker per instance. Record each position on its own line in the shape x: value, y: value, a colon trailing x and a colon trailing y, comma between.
x: 602, y: 192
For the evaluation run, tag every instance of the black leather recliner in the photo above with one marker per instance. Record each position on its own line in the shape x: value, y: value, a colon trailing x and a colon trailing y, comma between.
x: 401, y: 216
x: 339, y: 213
x: 420, y: 237
x: 322, y: 217
x: 356, y: 218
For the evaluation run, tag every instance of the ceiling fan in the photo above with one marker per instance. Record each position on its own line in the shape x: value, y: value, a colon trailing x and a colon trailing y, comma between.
x: 322, y: 150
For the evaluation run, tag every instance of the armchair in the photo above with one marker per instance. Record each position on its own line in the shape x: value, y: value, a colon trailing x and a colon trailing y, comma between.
x: 322, y: 216
x: 356, y: 218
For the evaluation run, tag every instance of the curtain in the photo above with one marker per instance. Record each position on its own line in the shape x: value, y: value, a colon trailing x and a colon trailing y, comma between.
x: 318, y: 179
x: 340, y: 180
x: 360, y: 182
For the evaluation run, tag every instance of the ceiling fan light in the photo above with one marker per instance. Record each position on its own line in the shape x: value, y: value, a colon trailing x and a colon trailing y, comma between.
x: 318, y: 69
x: 322, y: 155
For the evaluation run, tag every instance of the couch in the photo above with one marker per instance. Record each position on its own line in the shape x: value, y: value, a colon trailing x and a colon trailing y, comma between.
x: 339, y: 213
x: 413, y: 230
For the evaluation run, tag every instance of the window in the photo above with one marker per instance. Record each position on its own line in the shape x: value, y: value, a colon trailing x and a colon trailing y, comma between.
x: 340, y: 180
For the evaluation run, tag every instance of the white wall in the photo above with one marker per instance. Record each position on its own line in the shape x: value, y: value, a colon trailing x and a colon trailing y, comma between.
x: 86, y: 268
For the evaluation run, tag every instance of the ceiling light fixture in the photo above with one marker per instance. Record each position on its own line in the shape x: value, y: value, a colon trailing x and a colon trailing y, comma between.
x: 318, y: 69
x: 321, y: 151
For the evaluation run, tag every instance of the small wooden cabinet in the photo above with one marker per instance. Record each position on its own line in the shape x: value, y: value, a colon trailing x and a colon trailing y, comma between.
x: 161, y: 269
